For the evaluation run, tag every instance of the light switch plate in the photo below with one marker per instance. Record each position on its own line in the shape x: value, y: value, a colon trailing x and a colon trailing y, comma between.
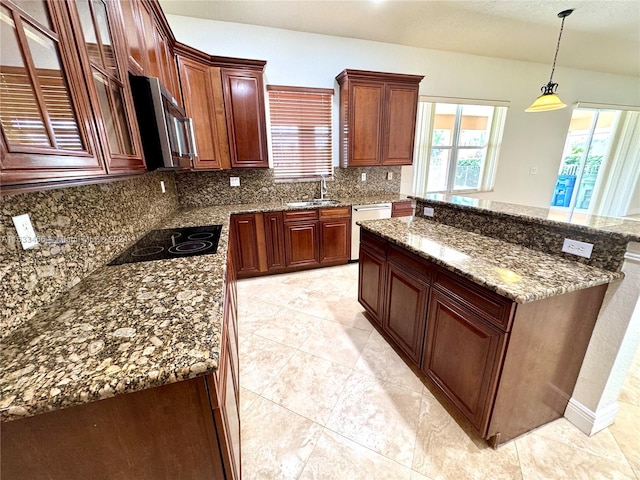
x: 575, y: 247
x: 162, y: 187
x: 389, y: 175
x: 234, y: 181
x: 26, y: 233
x: 363, y: 177
x: 428, y: 212
x: 533, y: 171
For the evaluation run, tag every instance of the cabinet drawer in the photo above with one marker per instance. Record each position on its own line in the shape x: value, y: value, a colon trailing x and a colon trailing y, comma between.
x: 417, y: 266
x: 338, y: 212
x: 483, y: 302
x: 373, y: 242
x: 300, y: 215
x: 401, y: 209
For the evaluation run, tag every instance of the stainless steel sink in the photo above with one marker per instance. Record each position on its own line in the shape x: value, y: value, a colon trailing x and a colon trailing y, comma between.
x: 313, y: 203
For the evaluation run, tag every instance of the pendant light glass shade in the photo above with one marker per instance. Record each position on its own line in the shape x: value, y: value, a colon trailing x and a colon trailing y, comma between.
x: 545, y: 103
x: 549, y: 100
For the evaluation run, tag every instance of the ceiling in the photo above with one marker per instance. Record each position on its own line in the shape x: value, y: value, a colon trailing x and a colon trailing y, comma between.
x: 600, y: 35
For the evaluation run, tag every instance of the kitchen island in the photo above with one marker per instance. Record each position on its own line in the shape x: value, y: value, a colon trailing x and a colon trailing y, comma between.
x: 499, y: 329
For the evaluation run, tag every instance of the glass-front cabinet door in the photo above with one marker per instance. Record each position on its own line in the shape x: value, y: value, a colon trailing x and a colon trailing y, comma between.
x: 47, y: 127
x: 103, y: 41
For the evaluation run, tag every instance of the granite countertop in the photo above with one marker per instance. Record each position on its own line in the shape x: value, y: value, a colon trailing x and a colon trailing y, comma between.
x: 130, y: 327
x: 630, y: 229
x: 122, y: 329
x: 518, y: 273
x: 127, y: 327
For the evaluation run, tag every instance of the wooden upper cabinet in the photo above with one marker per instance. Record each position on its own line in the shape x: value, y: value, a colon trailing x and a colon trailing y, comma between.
x: 133, y: 26
x: 366, y: 110
x: 150, y: 43
x: 204, y: 104
x: 377, y: 117
x: 401, y: 102
x: 101, y: 46
x: 245, y: 111
x: 45, y: 117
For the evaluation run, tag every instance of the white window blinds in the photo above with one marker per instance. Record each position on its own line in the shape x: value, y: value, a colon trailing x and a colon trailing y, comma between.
x: 300, y: 132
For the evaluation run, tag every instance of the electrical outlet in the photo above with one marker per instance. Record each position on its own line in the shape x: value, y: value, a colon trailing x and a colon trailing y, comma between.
x: 25, y: 231
x: 389, y: 175
x: 234, y: 181
x: 428, y: 212
x: 533, y: 171
x: 575, y: 247
x: 363, y: 177
x: 162, y: 187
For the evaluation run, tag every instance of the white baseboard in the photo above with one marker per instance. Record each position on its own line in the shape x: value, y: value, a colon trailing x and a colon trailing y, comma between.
x: 588, y: 421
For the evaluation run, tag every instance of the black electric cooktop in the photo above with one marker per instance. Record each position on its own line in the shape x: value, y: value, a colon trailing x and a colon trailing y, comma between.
x: 172, y: 243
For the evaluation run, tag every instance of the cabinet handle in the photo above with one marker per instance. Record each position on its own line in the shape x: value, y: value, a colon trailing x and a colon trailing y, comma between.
x: 193, y: 151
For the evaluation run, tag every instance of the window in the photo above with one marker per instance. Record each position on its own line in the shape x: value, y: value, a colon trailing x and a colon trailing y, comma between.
x: 457, y: 146
x: 300, y: 132
x: 599, y: 169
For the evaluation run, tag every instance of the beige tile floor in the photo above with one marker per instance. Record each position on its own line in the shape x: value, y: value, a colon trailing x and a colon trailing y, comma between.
x: 323, y: 396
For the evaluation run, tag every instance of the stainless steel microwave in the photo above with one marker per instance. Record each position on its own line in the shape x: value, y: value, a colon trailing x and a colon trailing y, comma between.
x: 167, y: 133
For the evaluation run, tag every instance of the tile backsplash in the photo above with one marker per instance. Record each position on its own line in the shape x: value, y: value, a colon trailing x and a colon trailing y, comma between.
x: 196, y: 189
x: 79, y: 229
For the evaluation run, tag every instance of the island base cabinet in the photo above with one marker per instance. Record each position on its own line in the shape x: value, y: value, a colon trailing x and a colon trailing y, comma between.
x: 506, y: 367
x: 462, y: 356
x: 371, y: 283
x: 405, y: 311
x: 159, y: 433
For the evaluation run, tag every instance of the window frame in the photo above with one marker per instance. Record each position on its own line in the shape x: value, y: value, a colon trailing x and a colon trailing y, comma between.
x: 424, y: 144
x: 322, y: 156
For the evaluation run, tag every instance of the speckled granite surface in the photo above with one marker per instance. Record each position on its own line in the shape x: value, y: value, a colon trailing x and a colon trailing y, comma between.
x: 197, y: 189
x: 79, y: 229
x: 536, y: 228
x: 513, y: 271
x: 122, y: 329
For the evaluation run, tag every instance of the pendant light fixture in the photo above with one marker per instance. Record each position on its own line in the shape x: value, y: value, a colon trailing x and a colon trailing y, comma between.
x: 549, y: 100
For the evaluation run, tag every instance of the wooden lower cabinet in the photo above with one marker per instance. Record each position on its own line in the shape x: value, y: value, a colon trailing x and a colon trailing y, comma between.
x: 335, y: 235
x: 371, y: 287
x: 247, y: 235
x: 405, y: 310
x: 507, y: 368
x: 274, y: 241
x: 402, y: 208
x: 184, y: 430
x: 301, y: 244
x: 462, y: 355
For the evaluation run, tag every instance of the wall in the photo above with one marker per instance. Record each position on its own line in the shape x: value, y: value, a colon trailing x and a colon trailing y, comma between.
x: 79, y: 230
x: 530, y: 140
x: 199, y: 189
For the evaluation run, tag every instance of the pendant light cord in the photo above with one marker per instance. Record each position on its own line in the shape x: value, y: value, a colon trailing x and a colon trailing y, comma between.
x: 553, y: 68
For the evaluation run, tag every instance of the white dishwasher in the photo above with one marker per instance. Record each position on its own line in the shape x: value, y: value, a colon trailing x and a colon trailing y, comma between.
x: 365, y: 212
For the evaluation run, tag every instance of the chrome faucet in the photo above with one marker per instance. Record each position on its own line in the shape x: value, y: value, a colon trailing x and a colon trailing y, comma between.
x: 323, y: 187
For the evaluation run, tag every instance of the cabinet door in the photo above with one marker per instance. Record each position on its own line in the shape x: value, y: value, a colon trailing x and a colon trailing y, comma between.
x: 274, y: 241
x: 246, y: 124
x: 135, y: 35
x: 405, y: 310
x: 200, y: 105
x: 104, y: 56
x: 48, y: 130
x: 401, y: 103
x: 463, y: 354
x: 301, y: 244
x: 167, y: 63
x: 246, y: 247
x: 335, y: 241
x: 365, y: 123
x: 402, y: 209
x: 371, y: 275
